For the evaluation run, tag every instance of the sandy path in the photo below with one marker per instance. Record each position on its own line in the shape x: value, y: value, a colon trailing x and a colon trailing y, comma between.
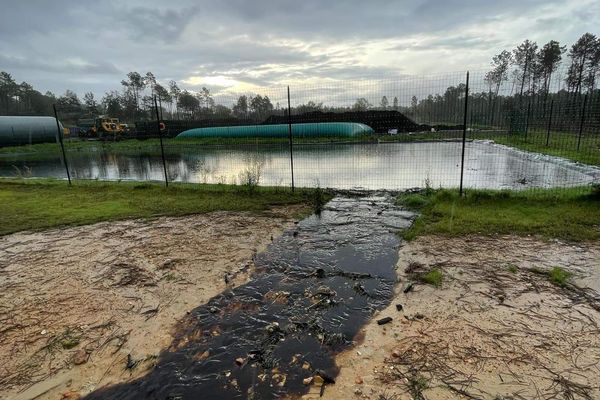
x: 491, y: 331
x: 88, y: 306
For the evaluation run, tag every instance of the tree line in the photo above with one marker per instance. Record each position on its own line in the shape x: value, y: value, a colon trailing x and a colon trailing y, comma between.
x: 134, y: 102
x: 521, y: 86
x: 528, y: 69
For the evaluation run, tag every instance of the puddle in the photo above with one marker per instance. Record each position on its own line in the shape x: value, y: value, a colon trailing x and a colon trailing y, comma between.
x: 314, y: 288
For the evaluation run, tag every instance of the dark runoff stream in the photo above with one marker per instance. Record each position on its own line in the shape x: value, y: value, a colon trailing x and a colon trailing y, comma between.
x: 314, y: 288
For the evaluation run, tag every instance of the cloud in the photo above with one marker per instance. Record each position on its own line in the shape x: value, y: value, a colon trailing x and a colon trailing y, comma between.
x: 230, y: 45
x: 146, y: 23
x: 61, y: 66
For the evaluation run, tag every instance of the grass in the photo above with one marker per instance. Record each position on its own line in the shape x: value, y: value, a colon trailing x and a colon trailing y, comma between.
x: 561, y: 144
x: 433, y: 277
x: 570, y: 214
x: 559, y: 276
x: 41, y: 204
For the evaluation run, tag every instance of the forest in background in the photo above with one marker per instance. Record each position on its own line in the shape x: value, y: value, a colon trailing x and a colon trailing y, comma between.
x: 530, y: 78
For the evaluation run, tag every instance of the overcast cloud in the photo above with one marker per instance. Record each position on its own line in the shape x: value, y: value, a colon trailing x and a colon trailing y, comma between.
x: 239, y: 45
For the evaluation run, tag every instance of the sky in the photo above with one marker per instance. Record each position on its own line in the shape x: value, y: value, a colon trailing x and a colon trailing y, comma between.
x: 235, y: 46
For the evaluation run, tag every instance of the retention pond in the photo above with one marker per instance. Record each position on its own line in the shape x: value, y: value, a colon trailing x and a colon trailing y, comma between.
x: 392, y: 166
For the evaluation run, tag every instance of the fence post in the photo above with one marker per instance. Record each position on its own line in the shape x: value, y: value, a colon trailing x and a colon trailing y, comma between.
x: 582, y: 121
x: 290, y: 136
x: 62, y: 146
x: 527, y: 119
x: 162, y: 149
x: 549, y: 123
x: 464, y: 137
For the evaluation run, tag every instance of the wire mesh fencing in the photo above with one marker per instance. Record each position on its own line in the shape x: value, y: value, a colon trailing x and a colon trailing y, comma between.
x: 373, y: 134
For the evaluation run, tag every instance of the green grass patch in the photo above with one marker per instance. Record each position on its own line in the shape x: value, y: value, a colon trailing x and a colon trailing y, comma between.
x: 571, y: 214
x: 512, y: 268
x: 559, y: 276
x: 560, y: 144
x: 40, y: 204
x: 433, y: 277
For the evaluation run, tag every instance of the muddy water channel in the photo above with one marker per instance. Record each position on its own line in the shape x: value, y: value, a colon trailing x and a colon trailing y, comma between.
x: 314, y: 288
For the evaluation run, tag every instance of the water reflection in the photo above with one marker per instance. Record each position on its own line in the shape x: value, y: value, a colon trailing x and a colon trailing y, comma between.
x: 343, y: 166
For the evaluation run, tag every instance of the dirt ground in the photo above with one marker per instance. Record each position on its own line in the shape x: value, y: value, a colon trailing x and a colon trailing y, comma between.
x: 497, y: 328
x: 88, y: 306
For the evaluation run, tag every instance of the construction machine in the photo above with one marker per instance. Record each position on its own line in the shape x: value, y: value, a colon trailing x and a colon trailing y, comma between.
x: 100, y: 127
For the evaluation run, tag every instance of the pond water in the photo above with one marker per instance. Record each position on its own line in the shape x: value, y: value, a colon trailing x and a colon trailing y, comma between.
x: 343, y: 166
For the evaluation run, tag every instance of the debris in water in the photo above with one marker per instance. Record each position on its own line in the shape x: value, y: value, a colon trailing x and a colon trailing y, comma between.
x: 326, y: 377
x: 307, y: 381
x: 384, y: 321
x: 239, y: 361
x: 273, y: 327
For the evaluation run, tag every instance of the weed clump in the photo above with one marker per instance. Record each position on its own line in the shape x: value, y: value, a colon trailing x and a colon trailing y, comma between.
x: 559, y: 276
x: 318, y: 199
x: 433, y: 277
x: 423, y: 274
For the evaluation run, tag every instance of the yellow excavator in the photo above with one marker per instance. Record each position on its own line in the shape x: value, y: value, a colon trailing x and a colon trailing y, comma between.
x: 101, y: 127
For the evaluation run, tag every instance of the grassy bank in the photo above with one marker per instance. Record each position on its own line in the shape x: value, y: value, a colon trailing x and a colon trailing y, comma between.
x: 40, y: 204
x: 570, y: 214
x: 561, y: 144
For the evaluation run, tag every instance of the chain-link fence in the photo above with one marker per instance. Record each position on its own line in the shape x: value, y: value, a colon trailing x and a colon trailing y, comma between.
x: 435, y: 131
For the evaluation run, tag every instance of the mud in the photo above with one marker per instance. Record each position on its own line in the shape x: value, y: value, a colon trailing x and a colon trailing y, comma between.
x: 279, y: 333
x: 85, y: 307
x: 497, y: 328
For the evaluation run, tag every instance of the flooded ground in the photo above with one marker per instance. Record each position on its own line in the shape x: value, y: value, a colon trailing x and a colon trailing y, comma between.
x: 278, y: 334
x: 89, y: 306
x: 495, y: 328
x: 392, y: 166
x: 189, y: 307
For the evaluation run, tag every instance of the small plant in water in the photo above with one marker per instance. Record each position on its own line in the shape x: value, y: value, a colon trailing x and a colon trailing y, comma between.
x: 428, y: 187
x: 25, y: 172
x: 250, y: 176
x: 513, y: 268
x: 318, y: 199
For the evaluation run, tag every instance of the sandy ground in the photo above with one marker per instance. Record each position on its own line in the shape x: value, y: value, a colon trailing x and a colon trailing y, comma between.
x: 89, y: 306
x: 495, y: 329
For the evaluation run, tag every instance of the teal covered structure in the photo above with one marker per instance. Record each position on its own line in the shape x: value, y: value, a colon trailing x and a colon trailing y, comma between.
x: 330, y: 129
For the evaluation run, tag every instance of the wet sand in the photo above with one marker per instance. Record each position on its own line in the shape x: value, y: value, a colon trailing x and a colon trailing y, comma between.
x: 495, y: 329
x: 90, y: 306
